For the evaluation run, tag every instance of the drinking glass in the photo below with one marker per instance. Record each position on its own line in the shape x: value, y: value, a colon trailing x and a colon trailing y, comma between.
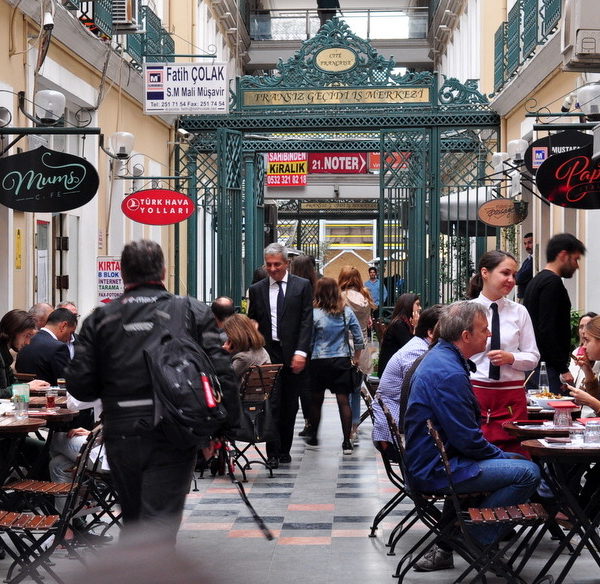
x: 51, y: 399
x: 591, y: 434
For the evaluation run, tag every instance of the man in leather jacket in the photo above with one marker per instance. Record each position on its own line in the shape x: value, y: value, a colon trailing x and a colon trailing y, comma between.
x: 152, y: 476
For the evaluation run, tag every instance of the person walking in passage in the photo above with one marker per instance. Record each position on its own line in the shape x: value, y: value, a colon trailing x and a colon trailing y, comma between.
x: 525, y: 273
x: 281, y: 304
x: 549, y: 306
x: 511, y: 351
x: 331, y: 356
x: 152, y: 475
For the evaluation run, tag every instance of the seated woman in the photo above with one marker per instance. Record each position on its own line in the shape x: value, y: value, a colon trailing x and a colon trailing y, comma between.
x: 16, y: 329
x: 245, y: 343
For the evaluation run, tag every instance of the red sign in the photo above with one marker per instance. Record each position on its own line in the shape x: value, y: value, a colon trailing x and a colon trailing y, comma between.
x: 395, y: 160
x: 571, y: 179
x: 157, y: 207
x: 337, y: 163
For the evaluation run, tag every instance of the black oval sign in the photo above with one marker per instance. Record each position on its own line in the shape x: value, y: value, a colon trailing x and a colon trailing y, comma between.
x: 46, y: 181
x: 571, y: 179
x: 559, y: 143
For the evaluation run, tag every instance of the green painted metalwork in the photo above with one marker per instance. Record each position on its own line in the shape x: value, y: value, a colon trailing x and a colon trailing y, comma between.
x: 167, y: 43
x: 71, y: 4
x: 134, y: 45
x: 530, y: 27
x: 98, y: 12
x: 446, y: 144
x: 513, y: 39
x: 551, y: 16
x: 229, y: 215
x: 151, y: 40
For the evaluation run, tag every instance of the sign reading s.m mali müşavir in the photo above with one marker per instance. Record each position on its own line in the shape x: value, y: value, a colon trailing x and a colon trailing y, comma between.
x: 46, y: 181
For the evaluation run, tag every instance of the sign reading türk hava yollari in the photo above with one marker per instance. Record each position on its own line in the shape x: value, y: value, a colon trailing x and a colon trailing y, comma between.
x: 186, y: 88
x: 571, y: 179
x: 46, y: 181
x: 502, y: 212
x: 157, y: 207
x: 559, y: 143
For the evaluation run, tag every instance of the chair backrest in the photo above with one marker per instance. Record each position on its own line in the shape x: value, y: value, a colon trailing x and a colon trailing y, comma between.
x: 24, y: 377
x: 397, y: 440
x: 259, y: 381
x: 368, y: 399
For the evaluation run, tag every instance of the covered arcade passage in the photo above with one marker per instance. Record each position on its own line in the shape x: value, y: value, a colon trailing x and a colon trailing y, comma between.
x: 337, y: 94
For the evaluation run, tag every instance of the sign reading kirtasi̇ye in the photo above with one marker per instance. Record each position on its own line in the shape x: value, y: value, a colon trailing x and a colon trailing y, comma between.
x: 46, y: 181
x: 186, y: 88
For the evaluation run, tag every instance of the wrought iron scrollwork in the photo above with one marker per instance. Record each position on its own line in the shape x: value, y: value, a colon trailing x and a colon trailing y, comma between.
x: 453, y: 92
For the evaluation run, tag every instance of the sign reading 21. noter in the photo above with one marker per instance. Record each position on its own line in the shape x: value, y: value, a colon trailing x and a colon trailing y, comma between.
x: 46, y: 181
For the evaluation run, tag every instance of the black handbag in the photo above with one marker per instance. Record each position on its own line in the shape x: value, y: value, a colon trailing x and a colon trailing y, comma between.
x: 356, y: 374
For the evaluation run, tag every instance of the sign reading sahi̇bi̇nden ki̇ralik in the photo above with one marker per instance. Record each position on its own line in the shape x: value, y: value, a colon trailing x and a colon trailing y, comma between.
x: 46, y: 181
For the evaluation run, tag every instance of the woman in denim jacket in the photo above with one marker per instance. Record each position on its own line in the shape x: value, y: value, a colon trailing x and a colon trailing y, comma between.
x: 331, y: 357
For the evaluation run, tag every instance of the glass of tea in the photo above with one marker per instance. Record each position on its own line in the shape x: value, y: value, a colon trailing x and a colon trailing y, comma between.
x: 51, y: 399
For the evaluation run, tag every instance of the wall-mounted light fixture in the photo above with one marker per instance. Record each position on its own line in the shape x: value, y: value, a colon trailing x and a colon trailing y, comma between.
x: 516, y: 150
x: 121, y: 144
x: 588, y: 98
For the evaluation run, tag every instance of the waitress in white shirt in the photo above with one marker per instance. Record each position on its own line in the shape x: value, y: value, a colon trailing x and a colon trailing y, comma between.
x: 499, y: 379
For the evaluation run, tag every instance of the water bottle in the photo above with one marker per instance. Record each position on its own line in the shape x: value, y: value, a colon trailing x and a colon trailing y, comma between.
x: 591, y: 435
x: 543, y: 385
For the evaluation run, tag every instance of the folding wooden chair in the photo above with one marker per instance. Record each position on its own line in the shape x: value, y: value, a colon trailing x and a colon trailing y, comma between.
x: 36, y: 535
x: 525, y: 520
x: 258, y: 385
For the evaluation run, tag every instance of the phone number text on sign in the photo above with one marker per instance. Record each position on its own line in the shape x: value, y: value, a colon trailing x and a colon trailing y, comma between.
x: 295, y: 180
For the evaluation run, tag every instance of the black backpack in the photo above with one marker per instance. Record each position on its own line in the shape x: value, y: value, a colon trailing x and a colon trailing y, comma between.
x: 188, y: 404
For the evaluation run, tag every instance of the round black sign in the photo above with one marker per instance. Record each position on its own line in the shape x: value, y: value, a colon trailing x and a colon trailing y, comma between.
x: 559, y: 143
x: 46, y: 181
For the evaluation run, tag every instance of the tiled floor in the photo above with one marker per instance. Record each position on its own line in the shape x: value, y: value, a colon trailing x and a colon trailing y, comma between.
x: 319, y: 508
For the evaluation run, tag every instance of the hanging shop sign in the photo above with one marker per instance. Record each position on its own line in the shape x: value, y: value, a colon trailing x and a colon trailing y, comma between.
x: 287, y: 169
x: 46, y: 181
x: 571, y: 179
x: 559, y: 143
x: 337, y: 162
x: 502, y: 212
x: 110, y: 283
x: 186, y: 88
x: 157, y: 207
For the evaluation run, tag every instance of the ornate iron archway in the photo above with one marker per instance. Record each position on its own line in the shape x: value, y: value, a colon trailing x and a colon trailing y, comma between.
x: 338, y: 94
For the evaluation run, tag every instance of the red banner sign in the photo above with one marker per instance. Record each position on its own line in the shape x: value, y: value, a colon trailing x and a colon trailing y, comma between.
x: 397, y: 160
x: 157, y: 207
x: 337, y: 163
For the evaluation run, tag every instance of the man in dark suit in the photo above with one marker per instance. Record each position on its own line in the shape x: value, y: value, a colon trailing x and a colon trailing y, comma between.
x: 525, y: 273
x: 47, y: 354
x: 282, y: 306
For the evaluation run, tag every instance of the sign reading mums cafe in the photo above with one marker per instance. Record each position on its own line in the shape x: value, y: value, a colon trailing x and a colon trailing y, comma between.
x: 46, y: 181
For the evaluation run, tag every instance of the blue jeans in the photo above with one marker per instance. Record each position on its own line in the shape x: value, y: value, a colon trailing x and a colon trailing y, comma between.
x: 355, y: 400
x: 510, y: 481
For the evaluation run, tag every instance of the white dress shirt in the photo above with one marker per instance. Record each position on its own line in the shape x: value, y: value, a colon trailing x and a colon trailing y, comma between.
x: 516, y: 337
x: 273, y: 292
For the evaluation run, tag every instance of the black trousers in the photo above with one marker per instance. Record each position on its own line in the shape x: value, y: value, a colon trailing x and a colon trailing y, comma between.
x: 152, y: 479
x: 285, y: 402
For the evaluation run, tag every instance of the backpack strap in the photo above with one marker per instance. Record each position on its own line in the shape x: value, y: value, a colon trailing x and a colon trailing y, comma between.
x: 175, y: 317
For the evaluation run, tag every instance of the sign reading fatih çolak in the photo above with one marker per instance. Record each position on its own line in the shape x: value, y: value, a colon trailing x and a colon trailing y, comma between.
x: 186, y: 88
x: 46, y: 181
x: 157, y: 207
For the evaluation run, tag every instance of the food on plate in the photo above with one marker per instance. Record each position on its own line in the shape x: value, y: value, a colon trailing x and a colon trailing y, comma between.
x: 548, y: 395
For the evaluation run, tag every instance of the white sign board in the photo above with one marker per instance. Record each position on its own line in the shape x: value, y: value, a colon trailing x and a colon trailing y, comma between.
x: 110, y: 284
x: 186, y: 88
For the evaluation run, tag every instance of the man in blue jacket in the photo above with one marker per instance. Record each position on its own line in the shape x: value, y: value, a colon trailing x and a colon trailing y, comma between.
x: 441, y: 391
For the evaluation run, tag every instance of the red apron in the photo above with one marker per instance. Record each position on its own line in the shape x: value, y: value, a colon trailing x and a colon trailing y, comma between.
x: 500, y: 402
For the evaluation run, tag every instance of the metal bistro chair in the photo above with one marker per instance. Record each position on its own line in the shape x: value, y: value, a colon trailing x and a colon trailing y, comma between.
x: 397, y: 476
x: 36, y: 535
x: 525, y: 519
x: 258, y: 386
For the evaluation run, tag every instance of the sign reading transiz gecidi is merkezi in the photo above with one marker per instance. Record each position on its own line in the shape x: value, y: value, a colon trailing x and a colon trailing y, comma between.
x: 186, y: 88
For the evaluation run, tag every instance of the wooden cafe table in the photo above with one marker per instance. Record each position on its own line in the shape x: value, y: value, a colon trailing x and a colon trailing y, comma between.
x: 526, y: 430
x: 16, y: 431
x: 562, y: 462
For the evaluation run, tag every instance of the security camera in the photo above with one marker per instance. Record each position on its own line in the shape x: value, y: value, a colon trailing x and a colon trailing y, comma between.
x: 48, y: 21
x: 184, y: 135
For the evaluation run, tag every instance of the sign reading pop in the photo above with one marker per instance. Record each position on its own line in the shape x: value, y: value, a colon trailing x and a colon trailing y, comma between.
x: 46, y: 181
x: 157, y: 207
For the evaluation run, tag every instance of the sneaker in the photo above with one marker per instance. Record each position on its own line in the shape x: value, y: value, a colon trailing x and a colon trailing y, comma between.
x: 347, y: 447
x: 435, y: 559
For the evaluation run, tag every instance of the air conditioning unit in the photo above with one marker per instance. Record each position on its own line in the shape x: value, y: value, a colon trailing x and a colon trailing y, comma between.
x: 126, y: 17
x: 580, y: 36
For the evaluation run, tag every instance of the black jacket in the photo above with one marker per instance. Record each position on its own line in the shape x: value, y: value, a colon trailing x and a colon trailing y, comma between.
x: 109, y: 361
x: 45, y: 356
x: 296, y: 333
x: 7, y: 377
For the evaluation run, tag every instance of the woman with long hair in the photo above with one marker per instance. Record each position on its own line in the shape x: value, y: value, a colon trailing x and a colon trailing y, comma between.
x: 331, y: 357
x: 304, y: 267
x: 500, y: 375
x: 583, y: 369
x: 401, y: 328
x: 358, y: 298
x: 245, y: 343
x: 17, y: 327
x: 589, y: 393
